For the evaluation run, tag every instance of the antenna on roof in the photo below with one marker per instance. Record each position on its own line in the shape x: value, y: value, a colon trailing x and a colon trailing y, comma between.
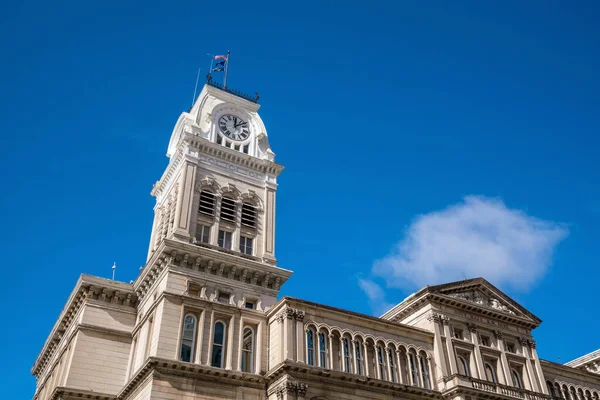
x: 114, y: 267
x: 196, y: 87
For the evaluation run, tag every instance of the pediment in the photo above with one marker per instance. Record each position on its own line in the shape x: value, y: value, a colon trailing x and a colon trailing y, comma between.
x: 482, y: 293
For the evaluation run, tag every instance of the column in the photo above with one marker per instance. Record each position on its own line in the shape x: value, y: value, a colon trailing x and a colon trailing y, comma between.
x: 431, y: 377
x: 449, y: 345
x: 538, y: 367
x: 409, y: 370
x: 478, y: 357
x: 438, y: 351
x: 183, y: 207
x: 534, y: 386
x: 258, y: 358
x: 269, y: 232
x: 200, y: 338
x: 355, y: 361
x: 377, y: 369
x: 503, y: 360
x: 300, y: 346
x: 399, y: 367
x: 342, y: 358
x: 330, y: 350
x: 210, y: 336
x: 365, y: 358
x: 287, y: 334
x: 230, y: 341
x: 240, y: 343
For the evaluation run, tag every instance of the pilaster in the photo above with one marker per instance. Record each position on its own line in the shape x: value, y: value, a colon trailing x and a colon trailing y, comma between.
x: 183, y: 207
x: 478, y: 357
x: 449, y: 346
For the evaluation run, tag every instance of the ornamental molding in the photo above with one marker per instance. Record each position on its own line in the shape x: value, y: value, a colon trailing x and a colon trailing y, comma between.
x: 476, y: 297
x: 268, y: 282
x: 290, y: 313
x: 207, y: 182
x: 289, y: 387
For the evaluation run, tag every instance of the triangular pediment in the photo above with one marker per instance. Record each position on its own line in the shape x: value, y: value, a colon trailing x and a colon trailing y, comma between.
x: 481, y: 293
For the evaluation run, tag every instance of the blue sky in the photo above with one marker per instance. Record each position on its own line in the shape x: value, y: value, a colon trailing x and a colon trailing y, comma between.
x: 419, y: 139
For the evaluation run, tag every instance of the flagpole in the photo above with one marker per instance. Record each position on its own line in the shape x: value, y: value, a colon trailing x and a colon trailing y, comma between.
x: 226, y: 69
x: 212, y: 59
x: 196, y: 87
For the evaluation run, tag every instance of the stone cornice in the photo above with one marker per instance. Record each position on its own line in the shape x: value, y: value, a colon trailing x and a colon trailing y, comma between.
x: 193, y: 371
x: 210, y: 264
x: 88, y: 288
x: 573, y: 373
x: 424, y: 297
x: 291, y: 371
x: 63, y: 393
x: 398, y: 328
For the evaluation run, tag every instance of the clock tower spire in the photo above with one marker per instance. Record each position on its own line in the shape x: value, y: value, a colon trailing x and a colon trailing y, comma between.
x: 215, y: 202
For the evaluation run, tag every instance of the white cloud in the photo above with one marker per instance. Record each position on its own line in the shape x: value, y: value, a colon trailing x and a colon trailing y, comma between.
x: 376, y: 296
x: 477, y: 237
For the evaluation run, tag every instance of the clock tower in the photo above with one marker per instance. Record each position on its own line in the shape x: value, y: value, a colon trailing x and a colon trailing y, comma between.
x: 215, y: 202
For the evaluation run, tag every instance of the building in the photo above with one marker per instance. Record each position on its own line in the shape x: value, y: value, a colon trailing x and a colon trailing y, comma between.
x: 202, y: 320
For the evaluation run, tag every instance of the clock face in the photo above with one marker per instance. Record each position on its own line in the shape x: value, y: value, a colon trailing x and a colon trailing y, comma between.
x: 234, y: 127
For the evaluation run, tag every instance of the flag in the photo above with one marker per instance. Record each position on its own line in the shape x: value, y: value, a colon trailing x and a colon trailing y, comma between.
x: 219, y: 69
x: 221, y: 63
x: 221, y: 58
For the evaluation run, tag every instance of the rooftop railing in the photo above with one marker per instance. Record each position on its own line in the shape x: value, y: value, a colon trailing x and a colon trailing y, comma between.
x: 213, y: 83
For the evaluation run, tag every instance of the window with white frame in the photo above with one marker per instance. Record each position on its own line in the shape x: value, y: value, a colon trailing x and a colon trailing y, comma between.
x: 207, y: 202
x: 490, y: 371
x: 425, y: 370
x: 228, y: 209
x: 203, y: 233
x: 517, y: 380
x: 248, y: 215
x: 218, y: 345
x: 359, y: 358
x: 246, y: 245
x: 248, y: 350
x: 188, y: 338
x: 393, y: 367
x: 225, y: 239
x: 323, y: 361
x: 414, y: 367
x: 463, y: 364
x: 310, y: 347
x: 381, y: 363
x: 347, y: 355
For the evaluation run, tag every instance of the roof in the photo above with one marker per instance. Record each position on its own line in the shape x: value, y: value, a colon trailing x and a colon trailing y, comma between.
x: 465, y: 293
x: 578, y: 362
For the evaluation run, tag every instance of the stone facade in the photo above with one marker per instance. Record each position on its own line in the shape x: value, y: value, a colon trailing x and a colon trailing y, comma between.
x: 202, y: 320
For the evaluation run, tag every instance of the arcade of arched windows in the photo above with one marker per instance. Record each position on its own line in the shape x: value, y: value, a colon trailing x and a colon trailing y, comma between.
x: 363, y: 354
x: 227, y: 218
x: 567, y: 391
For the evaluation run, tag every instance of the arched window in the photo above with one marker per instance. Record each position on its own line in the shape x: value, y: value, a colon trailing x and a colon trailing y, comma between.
x: 248, y: 215
x: 565, y: 392
x: 595, y: 396
x: 573, y: 394
x: 323, y: 362
x: 550, y: 388
x: 218, y: 349
x: 248, y: 350
x: 381, y: 363
x: 414, y: 368
x: 359, y: 358
x: 463, y: 366
x: 207, y: 202
x: 310, y: 347
x: 490, y: 373
x: 228, y: 209
x: 516, y: 378
x: 347, y: 355
x: 393, y: 366
x: 580, y: 394
x: 425, y: 371
x: 558, y: 391
x: 188, y: 338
